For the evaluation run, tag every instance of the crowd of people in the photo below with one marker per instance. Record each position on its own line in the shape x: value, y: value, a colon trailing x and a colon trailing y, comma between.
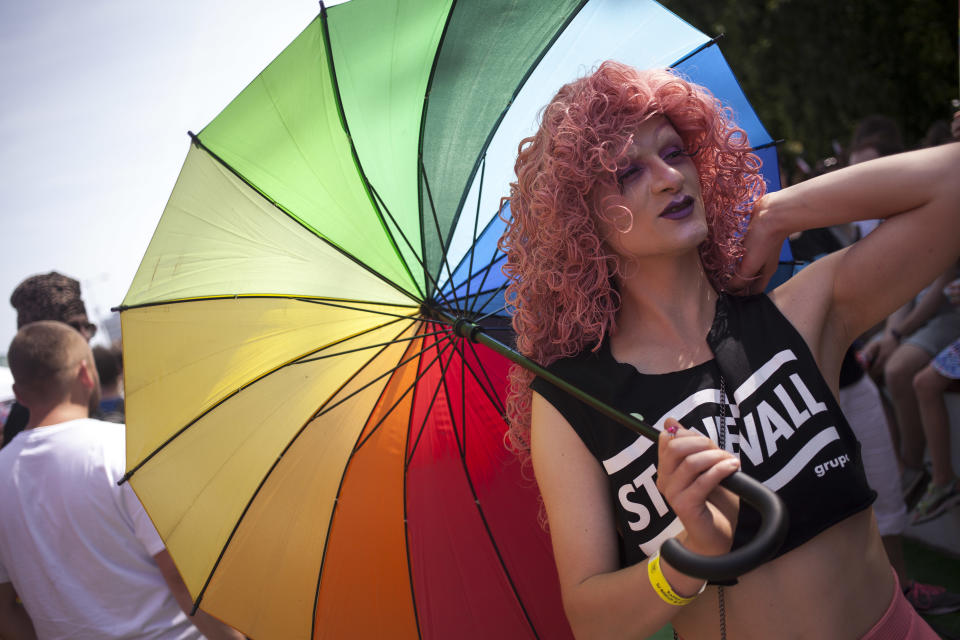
x: 883, y: 397
x: 908, y: 355
x: 79, y: 557
x: 640, y: 244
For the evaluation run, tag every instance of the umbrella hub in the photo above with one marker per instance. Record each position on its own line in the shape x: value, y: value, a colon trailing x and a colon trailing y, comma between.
x: 430, y: 310
x: 463, y: 326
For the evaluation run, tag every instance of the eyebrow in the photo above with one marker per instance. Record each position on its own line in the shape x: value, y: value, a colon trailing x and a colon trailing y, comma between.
x: 672, y: 132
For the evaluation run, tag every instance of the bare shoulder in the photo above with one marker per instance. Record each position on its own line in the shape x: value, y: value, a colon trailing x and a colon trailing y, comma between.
x: 574, y: 489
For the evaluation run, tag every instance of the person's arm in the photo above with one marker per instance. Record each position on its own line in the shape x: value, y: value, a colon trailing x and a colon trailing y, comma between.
x: 212, y: 628
x: 917, y: 195
x: 600, y: 599
x: 882, y: 345
x: 926, y: 307
x: 15, y: 624
x: 904, y: 321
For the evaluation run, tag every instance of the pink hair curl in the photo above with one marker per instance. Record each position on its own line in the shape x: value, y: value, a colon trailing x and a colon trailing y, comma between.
x: 561, y: 289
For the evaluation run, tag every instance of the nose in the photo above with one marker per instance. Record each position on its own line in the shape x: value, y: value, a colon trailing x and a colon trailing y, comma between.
x: 666, y: 177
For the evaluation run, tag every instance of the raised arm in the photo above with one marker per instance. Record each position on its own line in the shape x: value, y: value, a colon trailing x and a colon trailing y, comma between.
x: 918, y: 196
x: 600, y: 599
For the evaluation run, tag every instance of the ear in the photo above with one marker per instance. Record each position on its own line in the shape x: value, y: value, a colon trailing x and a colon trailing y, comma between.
x: 86, y: 377
x: 18, y: 393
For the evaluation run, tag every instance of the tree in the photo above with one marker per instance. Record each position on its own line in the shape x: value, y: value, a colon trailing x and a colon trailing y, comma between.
x: 813, y: 68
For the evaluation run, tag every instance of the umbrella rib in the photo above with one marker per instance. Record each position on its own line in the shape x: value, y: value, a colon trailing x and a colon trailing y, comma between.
x: 371, y: 346
x: 461, y: 440
x: 436, y: 223
x: 406, y: 527
x: 493, y: 294
x: 196, y: 140
x: 426, y: 413
x: 491, y: 313
x: 263, y: 481
x: 483, y: 281
x: 327, y: 303
x: 494, y: 259
x: 483, y: 518
x: 705, y: 45
x: 326, y: 409
x: 491, y: 395
x: 258, y: 296
x: 406, y: 547
x: 129, y: 474
x: 496, y: 125
x: 338, y: 99
x: 409, y: 388
x: 503, y: 329
x: 419, y: 259
x: 333, y: 511
x: 476, y: 223
x: 406, y: 531
x: 772, y: 143
x: 486, y: 228
x: 488, y: 391
x: 423, y: 127
x: 485, y: 292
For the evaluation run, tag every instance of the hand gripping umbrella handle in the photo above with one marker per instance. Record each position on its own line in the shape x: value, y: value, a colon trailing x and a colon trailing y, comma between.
x: 773, y: 513
x: 772, y: 531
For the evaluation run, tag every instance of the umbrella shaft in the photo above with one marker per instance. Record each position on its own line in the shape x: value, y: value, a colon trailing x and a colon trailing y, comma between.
x: 475, y: 333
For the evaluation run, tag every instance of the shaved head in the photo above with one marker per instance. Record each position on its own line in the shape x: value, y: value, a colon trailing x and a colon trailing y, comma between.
x: 44, y: 359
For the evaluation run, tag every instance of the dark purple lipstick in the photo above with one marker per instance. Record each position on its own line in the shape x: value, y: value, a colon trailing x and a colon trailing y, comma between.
x: 679, y: 208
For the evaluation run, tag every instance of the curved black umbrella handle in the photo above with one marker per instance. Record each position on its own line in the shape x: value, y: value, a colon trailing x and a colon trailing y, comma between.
x: 773, y: 529
x: 773, y: 513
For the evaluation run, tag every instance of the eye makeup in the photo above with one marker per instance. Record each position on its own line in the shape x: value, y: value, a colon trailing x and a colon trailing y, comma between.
x: 672, y: 153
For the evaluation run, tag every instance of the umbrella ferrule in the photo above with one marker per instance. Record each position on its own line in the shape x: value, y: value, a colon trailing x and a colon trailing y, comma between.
x: 467, y: 329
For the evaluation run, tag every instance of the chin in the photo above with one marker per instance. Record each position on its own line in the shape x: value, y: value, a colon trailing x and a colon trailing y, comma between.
x: 697, y: 232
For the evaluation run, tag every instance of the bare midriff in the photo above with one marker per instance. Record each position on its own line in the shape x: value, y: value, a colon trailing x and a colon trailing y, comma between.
x: 835, y: 586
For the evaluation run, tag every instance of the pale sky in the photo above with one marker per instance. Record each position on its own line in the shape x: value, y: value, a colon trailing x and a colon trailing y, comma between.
x: 96, y: 98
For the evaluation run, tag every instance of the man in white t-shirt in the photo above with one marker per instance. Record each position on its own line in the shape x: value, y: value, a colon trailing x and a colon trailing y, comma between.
x: 76, y: 547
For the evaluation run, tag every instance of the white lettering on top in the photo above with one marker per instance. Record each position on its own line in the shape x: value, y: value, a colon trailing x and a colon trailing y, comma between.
x: 814, y: 406
x: 643, y: 482
x: 773, y: 426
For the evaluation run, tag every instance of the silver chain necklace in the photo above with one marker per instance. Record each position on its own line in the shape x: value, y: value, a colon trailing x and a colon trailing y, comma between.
x: 721, y: 441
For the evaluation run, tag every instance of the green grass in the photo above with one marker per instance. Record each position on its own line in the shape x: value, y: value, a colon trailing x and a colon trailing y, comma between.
x: 933, y: 567
x: 923, y: 564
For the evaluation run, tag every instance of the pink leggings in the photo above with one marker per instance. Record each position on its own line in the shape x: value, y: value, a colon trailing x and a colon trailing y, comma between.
x: 900, y: 621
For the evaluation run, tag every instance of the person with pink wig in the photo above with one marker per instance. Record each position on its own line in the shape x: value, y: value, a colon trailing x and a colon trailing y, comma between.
x: 639, y: 243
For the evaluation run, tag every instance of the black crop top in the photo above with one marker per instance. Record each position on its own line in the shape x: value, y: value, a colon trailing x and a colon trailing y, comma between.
x: 782, y: 420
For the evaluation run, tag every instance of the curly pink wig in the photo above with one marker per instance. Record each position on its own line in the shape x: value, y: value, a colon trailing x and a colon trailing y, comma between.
x: 562, y: 292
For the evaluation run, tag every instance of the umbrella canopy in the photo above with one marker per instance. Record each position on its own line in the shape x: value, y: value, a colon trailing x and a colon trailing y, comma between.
x: 322, y: 454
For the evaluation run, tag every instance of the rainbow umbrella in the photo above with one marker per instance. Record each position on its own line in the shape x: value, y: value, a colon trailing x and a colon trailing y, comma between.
x: 318, y: 447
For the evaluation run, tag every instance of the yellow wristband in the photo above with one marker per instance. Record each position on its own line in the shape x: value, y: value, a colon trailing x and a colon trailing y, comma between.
x: 659, y: 583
